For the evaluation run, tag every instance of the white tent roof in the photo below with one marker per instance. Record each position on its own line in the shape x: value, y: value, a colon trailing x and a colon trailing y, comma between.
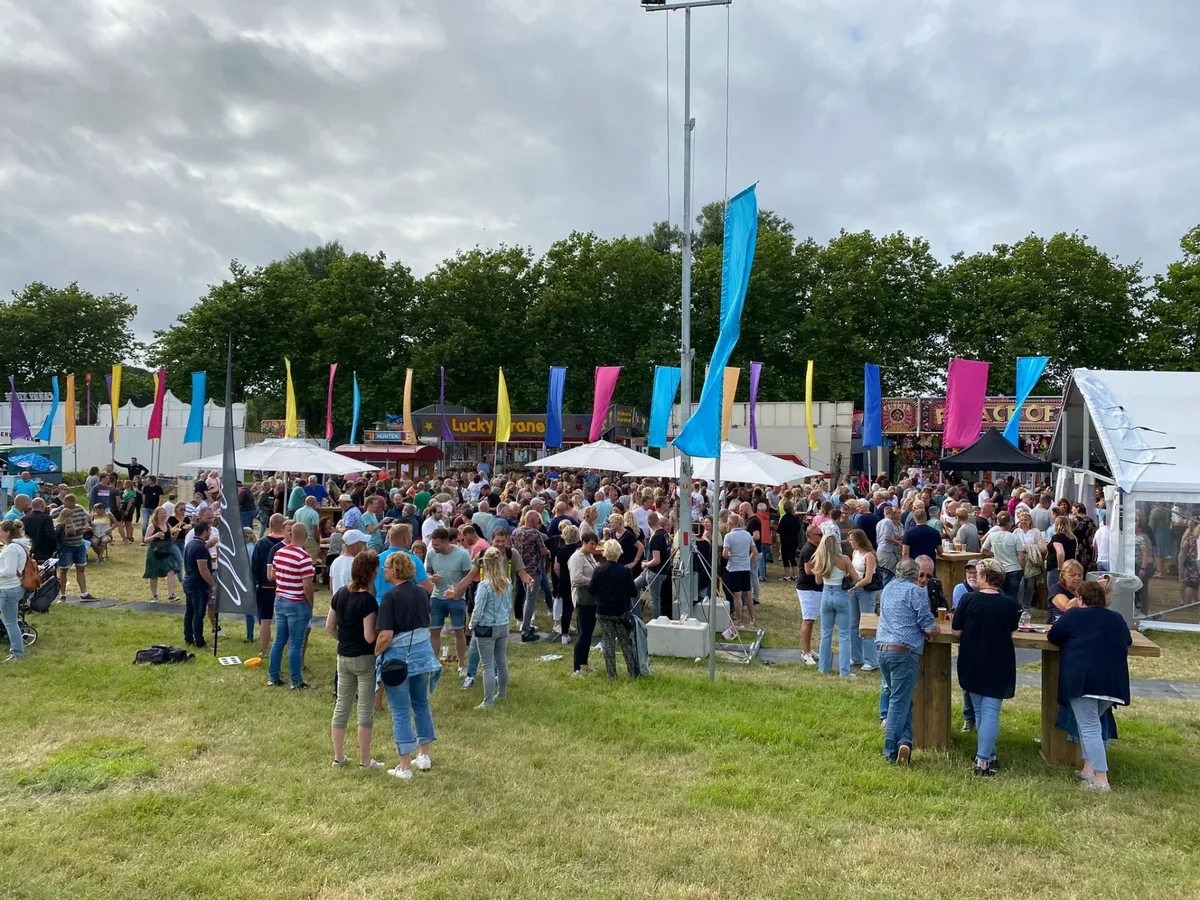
x: 287, y: 455
x: 603, y: 455
x: 1145, y: 423
x: 740, y: 464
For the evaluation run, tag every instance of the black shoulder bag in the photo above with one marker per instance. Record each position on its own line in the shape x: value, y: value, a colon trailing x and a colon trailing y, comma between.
x: 394, y: 672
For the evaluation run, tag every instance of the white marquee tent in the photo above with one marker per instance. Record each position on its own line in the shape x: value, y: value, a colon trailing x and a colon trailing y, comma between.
x: 1136, y: 434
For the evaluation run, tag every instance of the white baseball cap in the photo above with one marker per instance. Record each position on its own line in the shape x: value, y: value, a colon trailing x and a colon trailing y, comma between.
x: 354, y: 536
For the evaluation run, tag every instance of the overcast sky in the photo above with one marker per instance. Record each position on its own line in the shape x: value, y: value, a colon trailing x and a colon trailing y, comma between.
x: 145, y: 144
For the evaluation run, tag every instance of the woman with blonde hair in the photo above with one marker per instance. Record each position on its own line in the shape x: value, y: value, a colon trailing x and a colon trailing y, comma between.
x: 403, y: 635
x: 613, y: 588
x: 1065, y: 594
x: 15, y: 553
x: 830, y: 567
x: 588, y: 525
x: 160, y: 555
x: 862, y: 599
x: 489, y: 624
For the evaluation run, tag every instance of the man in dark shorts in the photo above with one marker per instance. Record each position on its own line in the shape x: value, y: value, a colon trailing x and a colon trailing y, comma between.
x: 264, y: 588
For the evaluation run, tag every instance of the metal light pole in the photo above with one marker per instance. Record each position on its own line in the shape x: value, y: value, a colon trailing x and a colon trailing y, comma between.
x: 684, y: 572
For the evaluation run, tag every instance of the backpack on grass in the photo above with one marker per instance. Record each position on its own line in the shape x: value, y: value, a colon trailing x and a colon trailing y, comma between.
x: 160, y: 654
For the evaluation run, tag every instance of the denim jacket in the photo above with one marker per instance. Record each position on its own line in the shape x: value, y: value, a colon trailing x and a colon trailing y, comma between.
x: 492, y: 608
x: 415, y: 648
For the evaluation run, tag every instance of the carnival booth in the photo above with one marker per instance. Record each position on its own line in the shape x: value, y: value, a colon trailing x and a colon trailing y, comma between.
x: 1135, y: 435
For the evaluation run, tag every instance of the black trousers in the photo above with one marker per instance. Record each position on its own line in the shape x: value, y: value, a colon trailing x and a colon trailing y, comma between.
x: 587, y: 627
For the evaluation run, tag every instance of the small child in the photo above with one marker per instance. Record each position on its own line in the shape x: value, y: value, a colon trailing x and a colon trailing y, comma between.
x: 102, y: 525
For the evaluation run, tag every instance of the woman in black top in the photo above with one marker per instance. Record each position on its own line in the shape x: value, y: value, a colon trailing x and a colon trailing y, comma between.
x: 613, y: 587
x: 1093, y: 673
x: 788, y: 530
x: 351, y: 619
x: 566, y: 548
x: 1061, y: 548
x: 632, y: 548
x: 987, y: 663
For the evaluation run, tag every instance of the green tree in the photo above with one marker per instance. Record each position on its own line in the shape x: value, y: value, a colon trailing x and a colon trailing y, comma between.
x: 1173, y: 321
x: 1059, y: 297
x: 60, y: 331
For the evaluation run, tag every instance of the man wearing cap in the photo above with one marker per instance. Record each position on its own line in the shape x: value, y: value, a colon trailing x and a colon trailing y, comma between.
x: 339, y: 569
x: 351, y: 515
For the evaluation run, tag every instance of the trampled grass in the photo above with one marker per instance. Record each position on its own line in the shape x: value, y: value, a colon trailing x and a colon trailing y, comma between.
x: 197, y: 780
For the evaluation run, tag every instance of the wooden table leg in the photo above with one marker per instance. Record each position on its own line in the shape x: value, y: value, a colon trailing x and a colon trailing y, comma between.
x: 1056, y: 749
x: 931, y: 700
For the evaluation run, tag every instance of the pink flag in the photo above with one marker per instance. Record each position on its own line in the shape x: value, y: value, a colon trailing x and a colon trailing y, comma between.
x: 329, y: 405
x: 606, y: 383
x: 966, y: 388
x: 154, y: 431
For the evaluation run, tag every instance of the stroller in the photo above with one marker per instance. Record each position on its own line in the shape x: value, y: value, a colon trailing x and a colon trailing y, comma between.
x: 38, y: 601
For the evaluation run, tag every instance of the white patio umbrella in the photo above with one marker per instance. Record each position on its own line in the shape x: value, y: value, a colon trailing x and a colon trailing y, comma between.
x: 603, y: 455
x: 741, y: 464
x: 287, y: 455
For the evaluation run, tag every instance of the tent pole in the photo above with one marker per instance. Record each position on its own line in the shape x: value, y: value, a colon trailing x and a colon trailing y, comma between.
x: 712, y: 597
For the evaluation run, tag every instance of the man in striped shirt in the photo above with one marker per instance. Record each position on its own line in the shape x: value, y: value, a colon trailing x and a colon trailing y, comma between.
x: 291, y: 568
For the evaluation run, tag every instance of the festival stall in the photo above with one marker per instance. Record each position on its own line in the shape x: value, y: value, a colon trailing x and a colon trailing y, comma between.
x: 992, y: 453
x: 1134, y: 435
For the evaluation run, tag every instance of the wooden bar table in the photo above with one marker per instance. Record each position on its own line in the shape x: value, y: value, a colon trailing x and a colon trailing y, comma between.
x: 952, y: 568
x: 931, y: 699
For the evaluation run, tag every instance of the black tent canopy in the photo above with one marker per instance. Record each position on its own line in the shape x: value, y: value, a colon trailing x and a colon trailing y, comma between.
x: 993, y: 452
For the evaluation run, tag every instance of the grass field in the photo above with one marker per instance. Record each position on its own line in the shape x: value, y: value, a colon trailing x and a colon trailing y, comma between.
x: 197, y: 780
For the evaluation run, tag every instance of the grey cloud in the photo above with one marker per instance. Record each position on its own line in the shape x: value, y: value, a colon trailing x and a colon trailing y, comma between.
x: 140, y: 150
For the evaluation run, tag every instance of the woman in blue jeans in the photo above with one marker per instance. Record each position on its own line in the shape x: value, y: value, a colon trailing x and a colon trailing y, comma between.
x: 862, y: 600
x: 830, y: 566
x: 15, y: 552
x: 1093, y: 674
x: 984, y: 621
x: 402, y: 633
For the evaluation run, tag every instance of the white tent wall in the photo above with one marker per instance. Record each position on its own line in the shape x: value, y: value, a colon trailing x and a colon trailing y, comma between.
x: 781, y: 429
x: 1135, y: 433
x: 132, y: 422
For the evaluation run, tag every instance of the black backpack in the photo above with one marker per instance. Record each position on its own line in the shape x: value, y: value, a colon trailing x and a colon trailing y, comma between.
x: 160, y: 654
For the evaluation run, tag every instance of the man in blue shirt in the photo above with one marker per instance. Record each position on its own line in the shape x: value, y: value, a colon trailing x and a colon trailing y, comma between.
x: 314, y: 488
x: 399, y: 540
x: 25, y: 486
x: 905, y: 621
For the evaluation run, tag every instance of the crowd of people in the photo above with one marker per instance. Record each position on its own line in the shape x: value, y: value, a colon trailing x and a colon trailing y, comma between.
x: 407, y: 559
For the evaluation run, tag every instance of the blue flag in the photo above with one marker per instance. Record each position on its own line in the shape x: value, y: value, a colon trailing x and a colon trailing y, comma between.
x: 357, y: 408
x: 872, y: 427
x: 701, y: 435
x: 554, y: 405
x: 1029, y: 371
x: 195, y: 423
x: 44, y: 434
x: 666, y: 384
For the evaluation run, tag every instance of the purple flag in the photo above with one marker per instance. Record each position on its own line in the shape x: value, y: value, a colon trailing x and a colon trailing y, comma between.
x: 755, y: 373
x: 20, y: 425
x: 447, y: 434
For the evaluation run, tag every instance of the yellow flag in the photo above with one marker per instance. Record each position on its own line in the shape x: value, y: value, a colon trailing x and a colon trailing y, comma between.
x: 503, y: 413
x: 410, y: 430
x: 69, y: 416
x: 728, y: 391
x: 291, y: 427
x: 116, y: 401
x: 812, y: 435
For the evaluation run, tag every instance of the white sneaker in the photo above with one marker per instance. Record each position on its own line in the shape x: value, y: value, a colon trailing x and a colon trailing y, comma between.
x: 867, y: 667
x: 566, y: 640
x: 480, y: 706
x: 424, y: 763
x: 468, y: 683
x: 339, y: 763
x: 556, y: 628
x: 402, y: 774
x: 373, y: 764
x: 220, y: 632
x: 809, y: 659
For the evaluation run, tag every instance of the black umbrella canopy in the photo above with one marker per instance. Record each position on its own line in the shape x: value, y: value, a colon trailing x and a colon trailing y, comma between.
x: 993, y: 452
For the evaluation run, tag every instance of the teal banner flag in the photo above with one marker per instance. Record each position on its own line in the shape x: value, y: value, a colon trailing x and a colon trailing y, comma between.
x: 666, y: 385
x: 701, y: 435
x: 1029, y: 372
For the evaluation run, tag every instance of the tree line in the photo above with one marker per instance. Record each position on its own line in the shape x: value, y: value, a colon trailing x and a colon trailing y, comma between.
x: 589, y: 301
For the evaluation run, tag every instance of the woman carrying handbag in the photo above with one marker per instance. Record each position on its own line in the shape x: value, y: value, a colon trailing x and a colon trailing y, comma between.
x: 489, y: 625
x: 867, y: 583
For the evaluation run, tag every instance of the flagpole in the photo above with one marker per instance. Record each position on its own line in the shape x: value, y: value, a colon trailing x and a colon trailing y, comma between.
x: 712, y: 598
